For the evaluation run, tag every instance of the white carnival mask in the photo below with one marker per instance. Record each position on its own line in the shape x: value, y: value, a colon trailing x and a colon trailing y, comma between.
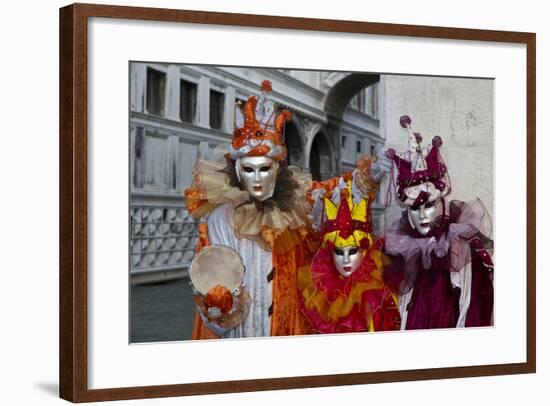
x: 422, y: 218
x: 347, y: 259
x: 257, y: 175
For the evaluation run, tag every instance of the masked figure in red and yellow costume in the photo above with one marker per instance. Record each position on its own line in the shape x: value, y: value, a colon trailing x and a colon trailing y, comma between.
x: 343, y: 290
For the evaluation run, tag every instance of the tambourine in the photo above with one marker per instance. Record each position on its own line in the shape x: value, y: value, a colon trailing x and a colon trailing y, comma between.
x: 217, y: 265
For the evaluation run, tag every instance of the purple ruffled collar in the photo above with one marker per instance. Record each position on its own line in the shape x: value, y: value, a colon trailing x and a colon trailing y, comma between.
x: 465, y: 220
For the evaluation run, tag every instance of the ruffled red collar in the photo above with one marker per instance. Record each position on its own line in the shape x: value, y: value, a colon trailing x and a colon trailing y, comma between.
x: 326, y: 277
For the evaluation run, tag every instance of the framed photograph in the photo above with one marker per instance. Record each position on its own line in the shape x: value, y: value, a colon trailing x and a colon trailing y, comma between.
x: 254, y: 202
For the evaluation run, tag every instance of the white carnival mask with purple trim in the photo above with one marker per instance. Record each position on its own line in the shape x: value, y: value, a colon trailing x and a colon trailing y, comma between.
x: 421, y: 218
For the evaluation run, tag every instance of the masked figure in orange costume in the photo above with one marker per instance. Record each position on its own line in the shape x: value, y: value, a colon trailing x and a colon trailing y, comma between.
x: 258, y: 206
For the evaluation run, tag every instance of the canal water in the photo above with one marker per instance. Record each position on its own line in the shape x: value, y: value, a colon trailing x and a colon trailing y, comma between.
x: 161, y: 311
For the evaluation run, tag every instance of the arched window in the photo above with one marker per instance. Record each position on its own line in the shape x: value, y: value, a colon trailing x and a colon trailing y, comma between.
x: 320, y: 158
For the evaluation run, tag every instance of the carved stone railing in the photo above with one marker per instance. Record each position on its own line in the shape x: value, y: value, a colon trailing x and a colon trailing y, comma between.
x: 162, y: 239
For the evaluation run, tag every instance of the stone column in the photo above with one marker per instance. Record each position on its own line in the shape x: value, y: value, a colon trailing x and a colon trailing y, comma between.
x: 203, y: 102
x: 229, y: 110
x: 139, y: 82
x: 204, y: 151
x: 172, y: 106
x: 308, y: 135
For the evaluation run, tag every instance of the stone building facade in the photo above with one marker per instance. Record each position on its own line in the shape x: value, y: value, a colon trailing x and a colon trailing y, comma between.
x: 179, y: 113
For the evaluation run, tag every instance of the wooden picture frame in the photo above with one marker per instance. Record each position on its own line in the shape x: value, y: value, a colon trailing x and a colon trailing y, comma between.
x: 73, y: 201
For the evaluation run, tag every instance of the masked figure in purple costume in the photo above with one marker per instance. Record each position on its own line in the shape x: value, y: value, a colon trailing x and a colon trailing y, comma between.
x: 440, y: 265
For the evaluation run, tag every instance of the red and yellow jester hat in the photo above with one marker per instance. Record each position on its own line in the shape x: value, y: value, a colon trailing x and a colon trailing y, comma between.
x: 259, y: 128
x: 347, y: 224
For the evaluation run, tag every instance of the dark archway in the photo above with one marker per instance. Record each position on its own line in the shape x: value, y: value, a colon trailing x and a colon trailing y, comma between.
x: 294, y: 145
x: 320, y: 158
x: 345, y: 87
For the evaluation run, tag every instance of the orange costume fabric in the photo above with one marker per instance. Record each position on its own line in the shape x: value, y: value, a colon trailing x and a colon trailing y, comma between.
x: 291, y: 251
x: 286, y: 235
